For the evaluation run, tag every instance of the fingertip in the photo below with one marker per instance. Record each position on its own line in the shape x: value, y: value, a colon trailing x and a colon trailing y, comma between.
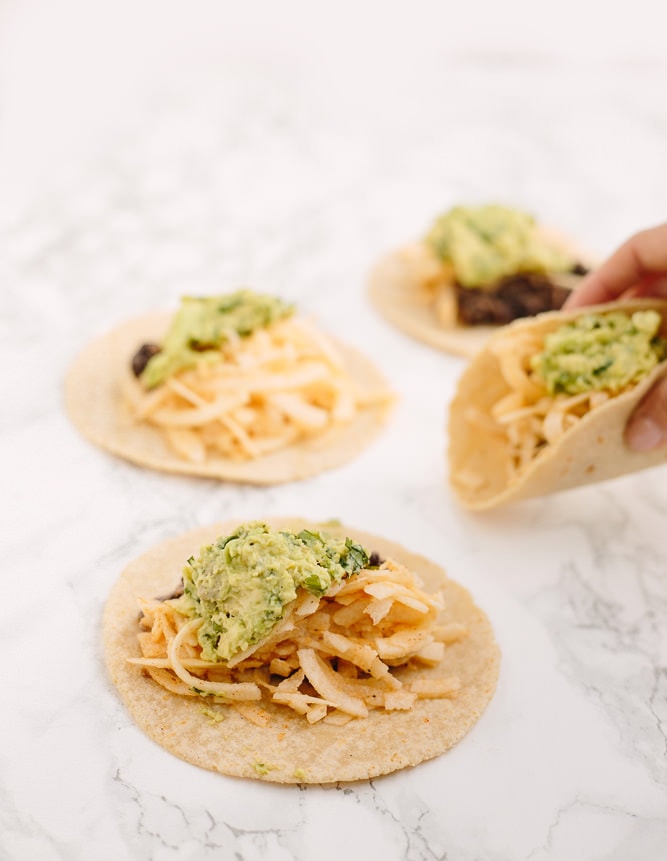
x: 593, y: 290
x: 644, y: 434
x: 646, y: 429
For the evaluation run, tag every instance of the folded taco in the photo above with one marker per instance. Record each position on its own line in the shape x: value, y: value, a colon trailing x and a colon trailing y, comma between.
x: 236, y: 387
x: 543, y: 406
x: 297, y: 652
x: 476, y: 269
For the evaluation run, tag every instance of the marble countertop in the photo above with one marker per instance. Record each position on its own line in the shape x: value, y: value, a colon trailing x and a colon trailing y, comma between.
x: 569, y: 761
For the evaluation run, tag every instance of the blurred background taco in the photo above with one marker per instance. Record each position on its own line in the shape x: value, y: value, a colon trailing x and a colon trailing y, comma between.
x: 476, y: 268
x: 236, y: 386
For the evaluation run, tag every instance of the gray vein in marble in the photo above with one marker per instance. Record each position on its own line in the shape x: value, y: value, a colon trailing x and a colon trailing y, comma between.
x: 262, y: 188
x: 641, y: 838
x: 601, y: 609
x: 23, y: 836
x: 154, y: 818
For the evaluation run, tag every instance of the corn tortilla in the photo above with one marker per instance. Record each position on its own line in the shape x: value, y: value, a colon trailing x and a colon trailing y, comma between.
x: 392, y: 288
x: 594, y: 450
x: 94, y: 402
x: 292, y: 750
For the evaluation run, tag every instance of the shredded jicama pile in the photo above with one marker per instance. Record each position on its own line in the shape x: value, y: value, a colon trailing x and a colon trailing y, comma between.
x: 331, y: 658
x: 283, y: 383
x: 528, y: 416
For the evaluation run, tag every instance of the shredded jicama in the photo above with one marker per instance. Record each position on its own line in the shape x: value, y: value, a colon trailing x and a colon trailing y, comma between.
x: 332, y: 658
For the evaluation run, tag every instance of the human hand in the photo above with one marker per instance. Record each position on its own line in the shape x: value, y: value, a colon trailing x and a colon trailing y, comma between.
x: 638, y: 268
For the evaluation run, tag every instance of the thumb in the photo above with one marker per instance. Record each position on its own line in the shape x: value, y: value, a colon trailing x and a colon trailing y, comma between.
x: 647, y: 426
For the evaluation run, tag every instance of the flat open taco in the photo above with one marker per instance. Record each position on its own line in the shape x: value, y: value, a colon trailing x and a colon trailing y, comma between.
x: 297, y: 652
x: 543, y: 406
x: 235, y: 387
x: 477, y: 268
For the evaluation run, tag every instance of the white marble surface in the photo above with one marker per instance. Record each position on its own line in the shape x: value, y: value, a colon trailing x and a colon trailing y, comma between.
x: 249, y: 186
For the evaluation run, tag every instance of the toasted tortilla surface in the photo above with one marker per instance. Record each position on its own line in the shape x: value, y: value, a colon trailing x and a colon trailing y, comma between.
x: 290, y: 749
x: 593, y: 450
x: 391, y: 290
x: 94, y: 402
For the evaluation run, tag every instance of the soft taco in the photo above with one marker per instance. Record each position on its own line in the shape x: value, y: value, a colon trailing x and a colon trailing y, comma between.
x: 543, y: 407
x: 236, y: 387
x: 297, y: 652
x: 476, y: 269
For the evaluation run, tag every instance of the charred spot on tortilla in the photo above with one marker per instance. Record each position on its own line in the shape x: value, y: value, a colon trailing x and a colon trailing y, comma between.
x: 336, y: 685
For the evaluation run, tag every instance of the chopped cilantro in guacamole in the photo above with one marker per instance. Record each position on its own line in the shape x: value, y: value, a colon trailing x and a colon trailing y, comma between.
x: 202, y: 325
x: 600, y: 352
x: 487, y: 243
x: 241, y: 584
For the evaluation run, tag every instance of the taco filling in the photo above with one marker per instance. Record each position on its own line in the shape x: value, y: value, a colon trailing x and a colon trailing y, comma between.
x: 600, y: 352
x: 540, y: 381
x: 490, y: 265
x: 272, y: 620
x: 241, y: 376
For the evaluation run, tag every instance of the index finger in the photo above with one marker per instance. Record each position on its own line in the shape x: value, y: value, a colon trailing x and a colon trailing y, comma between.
x: 641, y: 258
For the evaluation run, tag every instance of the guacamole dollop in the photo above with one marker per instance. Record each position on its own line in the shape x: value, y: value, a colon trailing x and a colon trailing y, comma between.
x: 486, y: 243
x: 241, y: 584
x: 203, y: 324
x: 600, y: 352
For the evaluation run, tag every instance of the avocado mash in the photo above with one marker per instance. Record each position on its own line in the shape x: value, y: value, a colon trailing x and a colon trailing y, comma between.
x: 202, y: 325
x: 487, y: 243
x: 241, y: 584
x: 600, y: 351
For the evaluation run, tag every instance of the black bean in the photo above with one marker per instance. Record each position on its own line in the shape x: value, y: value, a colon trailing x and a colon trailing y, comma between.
x: 175, y: 593
x: 522, y: 295
x: 142, y: 357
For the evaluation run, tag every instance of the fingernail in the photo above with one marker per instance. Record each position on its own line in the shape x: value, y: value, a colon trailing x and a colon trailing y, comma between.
x: 644, y: 434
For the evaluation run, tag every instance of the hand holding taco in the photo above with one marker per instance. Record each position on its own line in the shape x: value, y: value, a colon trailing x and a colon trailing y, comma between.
x: 543, y: 407
x: 637, y: 268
